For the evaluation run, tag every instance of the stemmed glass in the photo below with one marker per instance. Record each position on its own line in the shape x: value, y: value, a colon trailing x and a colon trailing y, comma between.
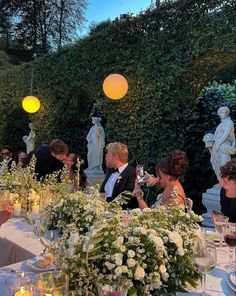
x: 205, y: 260
x: 220, y: 222
x: 230, y: 239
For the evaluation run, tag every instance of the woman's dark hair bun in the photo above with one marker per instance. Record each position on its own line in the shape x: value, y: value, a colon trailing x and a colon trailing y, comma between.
x: 178, y: 162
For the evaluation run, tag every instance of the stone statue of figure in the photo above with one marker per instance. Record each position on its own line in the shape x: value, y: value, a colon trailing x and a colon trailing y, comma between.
x: 96, y: 143
x: 30, y: 139
x: 222, y: 143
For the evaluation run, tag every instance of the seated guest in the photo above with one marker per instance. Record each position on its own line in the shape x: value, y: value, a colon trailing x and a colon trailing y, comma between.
x: 71, y: 163
x: 21, y: 155
x: 228, y: 190
x: 121, y: 176
x: 169, y: 170
x: 6, y: 154
x: 48, y: 158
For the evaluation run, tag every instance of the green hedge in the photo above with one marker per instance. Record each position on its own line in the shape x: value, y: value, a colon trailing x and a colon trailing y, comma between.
x: 167, y: 55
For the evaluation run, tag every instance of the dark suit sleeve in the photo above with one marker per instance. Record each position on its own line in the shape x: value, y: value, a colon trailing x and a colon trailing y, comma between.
x: 131, y: 181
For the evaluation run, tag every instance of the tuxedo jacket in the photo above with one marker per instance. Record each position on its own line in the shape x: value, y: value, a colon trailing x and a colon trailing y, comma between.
x: 45, y: 163
x: 125, y: 182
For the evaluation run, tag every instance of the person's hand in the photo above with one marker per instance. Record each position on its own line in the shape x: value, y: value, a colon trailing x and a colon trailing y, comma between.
x: 137, y: 186
x: 151, y: 180
x: 137, y: 190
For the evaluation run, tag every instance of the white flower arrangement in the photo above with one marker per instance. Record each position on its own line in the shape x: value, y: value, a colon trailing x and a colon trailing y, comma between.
x: 152, y: 249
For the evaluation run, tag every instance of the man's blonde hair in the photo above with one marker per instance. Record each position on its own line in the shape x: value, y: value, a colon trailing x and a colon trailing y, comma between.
x: 120, y: 149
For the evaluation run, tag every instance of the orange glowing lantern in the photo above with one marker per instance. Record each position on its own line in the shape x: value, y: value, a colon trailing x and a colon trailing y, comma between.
x: 115, y: 86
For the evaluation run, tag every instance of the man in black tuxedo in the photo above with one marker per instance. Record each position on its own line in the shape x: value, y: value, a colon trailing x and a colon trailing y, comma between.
x: 49, y: 158
x: 120, y: 177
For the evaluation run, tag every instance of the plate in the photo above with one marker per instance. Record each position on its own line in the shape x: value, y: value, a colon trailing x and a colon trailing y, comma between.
x: 31, y: 264
x: 231, y: 281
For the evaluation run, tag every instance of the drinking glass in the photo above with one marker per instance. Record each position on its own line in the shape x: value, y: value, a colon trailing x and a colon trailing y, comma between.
x: 220, y: 222
x: 205, y: 260
x: 17, y: 282
x: 230, y: 239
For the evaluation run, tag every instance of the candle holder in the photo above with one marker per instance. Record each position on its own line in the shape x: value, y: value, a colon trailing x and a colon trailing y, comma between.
x: 19, y: 284
x: 107, y: 286
x: 17, y: 209
x: 50, y: 284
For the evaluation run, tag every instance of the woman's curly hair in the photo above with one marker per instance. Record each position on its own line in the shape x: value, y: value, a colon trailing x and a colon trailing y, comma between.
x: 175, y: 164
x: 229, y: 170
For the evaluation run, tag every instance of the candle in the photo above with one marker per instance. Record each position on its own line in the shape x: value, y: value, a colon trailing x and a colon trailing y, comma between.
x: 23, y: 292
x: 35, y: 210
x: 17, y: 209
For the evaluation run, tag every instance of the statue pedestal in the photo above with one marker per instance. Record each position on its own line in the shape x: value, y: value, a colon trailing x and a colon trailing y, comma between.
x: 95, y: 177
x: 211, y: 200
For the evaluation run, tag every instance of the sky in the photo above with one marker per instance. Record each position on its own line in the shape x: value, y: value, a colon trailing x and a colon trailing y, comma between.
x: 100, y: 10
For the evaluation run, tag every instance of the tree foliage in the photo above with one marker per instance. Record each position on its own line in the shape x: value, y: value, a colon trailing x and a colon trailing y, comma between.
x: 40, y: 25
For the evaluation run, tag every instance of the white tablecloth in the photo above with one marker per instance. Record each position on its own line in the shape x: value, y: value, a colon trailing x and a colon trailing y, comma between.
x: 21, y: 233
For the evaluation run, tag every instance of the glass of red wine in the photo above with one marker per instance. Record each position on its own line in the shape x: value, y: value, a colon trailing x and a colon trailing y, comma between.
x: 230, y: 239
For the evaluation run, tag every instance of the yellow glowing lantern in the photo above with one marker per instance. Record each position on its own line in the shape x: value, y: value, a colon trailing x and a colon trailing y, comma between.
x: 115, y: 86
x: 31, y: 104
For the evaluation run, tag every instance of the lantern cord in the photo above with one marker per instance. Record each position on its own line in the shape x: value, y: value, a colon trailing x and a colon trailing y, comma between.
x: 32, y: 80
x: 32, y: 74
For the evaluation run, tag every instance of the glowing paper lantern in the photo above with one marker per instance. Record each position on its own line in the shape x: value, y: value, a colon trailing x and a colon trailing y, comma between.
x: 31, y: 104
x: 115, y: 86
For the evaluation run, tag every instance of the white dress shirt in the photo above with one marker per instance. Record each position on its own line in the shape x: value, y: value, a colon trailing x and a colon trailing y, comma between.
x: 112, y: 180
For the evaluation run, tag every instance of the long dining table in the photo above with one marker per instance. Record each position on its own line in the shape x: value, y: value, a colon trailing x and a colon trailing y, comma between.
x: 19, y: 244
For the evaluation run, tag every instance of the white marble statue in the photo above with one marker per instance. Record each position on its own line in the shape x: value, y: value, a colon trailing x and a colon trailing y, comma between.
x: 222, y: 143
x: 30, y: 139
x: 96, y: 143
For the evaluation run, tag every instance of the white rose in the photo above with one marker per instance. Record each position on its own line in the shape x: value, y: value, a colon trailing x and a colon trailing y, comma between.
x: 117, y: 256
x: 139, y: 273
x: 120, y: 240
x: 124, y: 269
x: 109, y: 265
x: 146, y: 210
x: 131, y: 254
x: 156, y: 240
x: 131, y: 262
x: 162, y: 268
x: 165, y: 276
x: 140, y: 230
x: 118, y: 270
x: 118, y: 262
x: 175, y: 238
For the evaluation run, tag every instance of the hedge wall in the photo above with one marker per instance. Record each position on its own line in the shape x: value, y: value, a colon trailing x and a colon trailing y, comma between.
x: 167, y: 55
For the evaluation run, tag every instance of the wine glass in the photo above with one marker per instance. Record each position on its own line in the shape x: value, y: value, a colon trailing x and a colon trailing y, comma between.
x: 230, y: 239
x: 205, y: 260
x: 220, y: 222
